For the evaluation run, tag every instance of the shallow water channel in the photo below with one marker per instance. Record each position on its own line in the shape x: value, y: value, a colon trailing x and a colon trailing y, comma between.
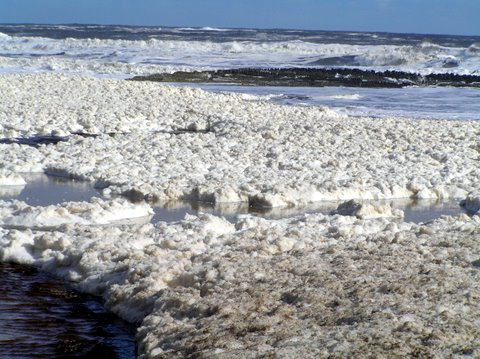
x: 42, y: 317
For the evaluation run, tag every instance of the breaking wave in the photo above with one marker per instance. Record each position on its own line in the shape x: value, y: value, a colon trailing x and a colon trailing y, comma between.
x: 146, y: 50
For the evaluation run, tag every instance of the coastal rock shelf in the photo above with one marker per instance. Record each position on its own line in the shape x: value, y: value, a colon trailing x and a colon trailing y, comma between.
x: 314, y: 77
x: 238, y: 148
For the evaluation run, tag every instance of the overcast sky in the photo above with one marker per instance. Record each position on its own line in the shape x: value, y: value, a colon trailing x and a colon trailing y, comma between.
x: 418, y: 16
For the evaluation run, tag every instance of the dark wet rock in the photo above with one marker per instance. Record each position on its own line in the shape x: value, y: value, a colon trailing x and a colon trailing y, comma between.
x: 314, y: 77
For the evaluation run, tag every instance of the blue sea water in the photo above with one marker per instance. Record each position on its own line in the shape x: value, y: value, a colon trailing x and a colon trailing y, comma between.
x: 413, y: 102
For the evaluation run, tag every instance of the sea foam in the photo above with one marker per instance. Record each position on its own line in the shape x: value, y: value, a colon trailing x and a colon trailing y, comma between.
x: 8, y: 178
x: 311, y: 285
x: 226, y: 148
x: 17, y: 214
x: 261, y: 280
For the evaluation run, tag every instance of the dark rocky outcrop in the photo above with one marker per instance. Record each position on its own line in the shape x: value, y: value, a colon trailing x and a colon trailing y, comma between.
x: 314, y: 77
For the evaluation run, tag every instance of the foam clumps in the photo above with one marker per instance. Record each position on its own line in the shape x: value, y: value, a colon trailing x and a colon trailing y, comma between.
x: 18, y: 214
x: 357, y: 282
x: 367, y: 210
x: 314, y: 285
x: 9, y: 178
x: 224, y: 148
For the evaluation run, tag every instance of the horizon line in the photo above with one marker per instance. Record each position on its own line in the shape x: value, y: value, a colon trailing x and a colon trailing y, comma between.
x: 236, y: 28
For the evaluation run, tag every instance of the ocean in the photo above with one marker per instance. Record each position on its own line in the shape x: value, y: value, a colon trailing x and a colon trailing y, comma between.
x: 125, y: 51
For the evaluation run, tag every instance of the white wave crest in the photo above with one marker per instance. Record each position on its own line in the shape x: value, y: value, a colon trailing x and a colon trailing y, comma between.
x: 4, y: 36
x: 354, y: 96
x: 208, y: 28
x: 130, y: 57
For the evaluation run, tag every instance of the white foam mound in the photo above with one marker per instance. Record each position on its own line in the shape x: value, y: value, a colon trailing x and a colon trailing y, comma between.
x: 472, y: 202
x: 368, y: 210
x: 17, y: 214
x: 160, y: 142
x: 308, y: 286
x: 10, y: 191
x: 8, y: 178
x: 17, y: 158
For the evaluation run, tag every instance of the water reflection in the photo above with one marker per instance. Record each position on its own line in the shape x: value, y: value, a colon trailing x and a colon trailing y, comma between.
x: 417, y: 211
x: 42, y: 318
x: 43, y: 190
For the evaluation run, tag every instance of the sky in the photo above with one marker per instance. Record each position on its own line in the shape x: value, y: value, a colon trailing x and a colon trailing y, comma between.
x: 459, y: 17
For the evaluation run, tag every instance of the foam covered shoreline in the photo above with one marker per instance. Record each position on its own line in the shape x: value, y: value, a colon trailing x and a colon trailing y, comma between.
x: 310, y: 286
x: 164, y: 143
x: 355, y: 283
